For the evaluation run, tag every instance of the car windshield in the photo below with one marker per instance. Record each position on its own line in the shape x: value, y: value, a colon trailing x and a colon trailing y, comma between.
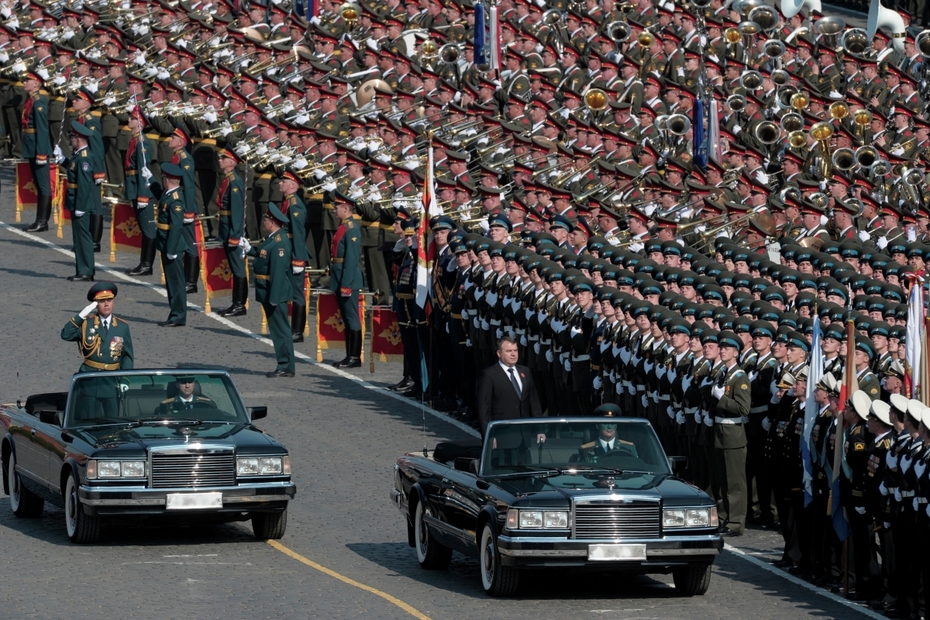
x: 153, y: 399
x: 602, y: 447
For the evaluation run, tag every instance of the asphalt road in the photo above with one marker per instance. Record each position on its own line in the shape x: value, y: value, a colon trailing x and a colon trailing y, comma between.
x: 345, y: 553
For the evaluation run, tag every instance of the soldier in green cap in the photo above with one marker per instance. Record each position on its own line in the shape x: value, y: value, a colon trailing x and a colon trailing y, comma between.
x: 82, y: 200
x: 172, y: 244
x: 273, y: 286
x: 345, y: 280
x: 103, y: 338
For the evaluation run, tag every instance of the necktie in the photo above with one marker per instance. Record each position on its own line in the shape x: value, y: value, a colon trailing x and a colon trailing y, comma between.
x: 513, y: 380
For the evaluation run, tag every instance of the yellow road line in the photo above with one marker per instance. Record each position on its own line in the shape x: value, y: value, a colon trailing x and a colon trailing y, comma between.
x: 328, y: 571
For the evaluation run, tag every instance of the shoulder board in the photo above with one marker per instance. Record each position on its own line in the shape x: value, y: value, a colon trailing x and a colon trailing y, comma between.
x: 588, y: 445
x: 739, y: 372
x: 203, y: 398
x: 629, y: 443
x: 350, y: 224
x: 167, y: 401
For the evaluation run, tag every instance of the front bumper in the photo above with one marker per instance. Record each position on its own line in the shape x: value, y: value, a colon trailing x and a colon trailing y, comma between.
x: 246, y: 497
x: 540, y: 552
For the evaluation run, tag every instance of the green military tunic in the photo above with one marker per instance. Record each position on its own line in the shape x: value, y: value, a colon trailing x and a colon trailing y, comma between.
x: 345, y: 275
x: 139, y: 156
x: 171, y: 242
x: 37, y: 145
x: 82, y: 200
x: 730, y: 447
x: 273, y: 289
x: 230, y: 203
x: 103, y: 349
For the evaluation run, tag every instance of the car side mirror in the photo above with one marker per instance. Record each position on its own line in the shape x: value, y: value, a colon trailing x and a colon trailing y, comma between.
x: 467, y: 464
x: 677, y: 463
x: 49, y: 416
x: 257, y: 413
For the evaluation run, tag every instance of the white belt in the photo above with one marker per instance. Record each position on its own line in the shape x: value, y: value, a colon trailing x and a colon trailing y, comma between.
x: 495, y: 322
x: 907, y: 493
x: 581, y: 358
x: 759, y: 409
x: 664, y: 397
x: 734, y: 421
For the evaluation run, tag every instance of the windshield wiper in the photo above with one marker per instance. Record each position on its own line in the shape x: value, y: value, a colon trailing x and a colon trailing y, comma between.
x: 528, y: 470
x: 614, y: 470
x: 165, y: 422
x: 103, y: 423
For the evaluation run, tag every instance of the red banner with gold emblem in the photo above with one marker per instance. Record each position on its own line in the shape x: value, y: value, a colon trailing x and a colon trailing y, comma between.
x: 385, y: 335
x: 27, y: 194
x: 330, y: 328
x: 125, y: 234
x: 217, y: 275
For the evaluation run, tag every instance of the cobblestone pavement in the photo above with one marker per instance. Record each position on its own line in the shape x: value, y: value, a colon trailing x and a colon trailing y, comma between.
x: 344, y: 432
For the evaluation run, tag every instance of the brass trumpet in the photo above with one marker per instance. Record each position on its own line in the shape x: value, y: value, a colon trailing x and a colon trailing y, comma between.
x: 217, y: 131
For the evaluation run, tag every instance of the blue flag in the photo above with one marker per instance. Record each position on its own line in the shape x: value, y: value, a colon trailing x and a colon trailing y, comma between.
x: 838, y: 515
x: 811, y: 409
x: 479, y: 35
x: 699, y: 144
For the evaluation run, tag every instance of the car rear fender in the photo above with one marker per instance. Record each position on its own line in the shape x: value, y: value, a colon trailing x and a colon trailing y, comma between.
x: 417, y: 495
x: 5, y: 451
x: 487, y: 515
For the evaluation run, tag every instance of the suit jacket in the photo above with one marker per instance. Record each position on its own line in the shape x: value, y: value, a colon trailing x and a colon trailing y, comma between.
x: 497, y: 399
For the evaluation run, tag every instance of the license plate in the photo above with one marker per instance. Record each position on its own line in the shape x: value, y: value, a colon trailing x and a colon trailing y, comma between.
x: 613, y: 553
x: 193, y: 501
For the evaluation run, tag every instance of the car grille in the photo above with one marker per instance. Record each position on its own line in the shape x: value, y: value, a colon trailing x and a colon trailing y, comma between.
x: 617, y: 519
x: 193, y: 470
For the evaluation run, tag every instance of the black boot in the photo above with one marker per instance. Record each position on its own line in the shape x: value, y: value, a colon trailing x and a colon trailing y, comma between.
x: 298, y: 322
x: 344, y: 362
x: 191, y: 272
x: 43, y: 212
x: 96, y: 230
x: 146, y: 258
x: 353, y: 350
x: 240, y: 295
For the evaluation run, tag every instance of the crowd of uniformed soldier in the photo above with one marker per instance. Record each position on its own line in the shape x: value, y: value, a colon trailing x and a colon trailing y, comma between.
x: 578, y: 223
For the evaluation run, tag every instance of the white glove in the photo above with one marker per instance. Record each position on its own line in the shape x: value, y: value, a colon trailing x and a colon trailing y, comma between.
x: 319, y: 173
x: 261, y: 150
x: 172, y: 256
x: 882, y: 243
x: 123, y: 387
x: 864, y: 236
x: 672, y: 375
x: 523, y: 340
x: 920, y: 467
x: 244, y: 246
x: 329, y: 187
x: 860, y: 510
x: 670, y: 412
x: 897, y: 495
x: 773, y: 388
x: 631, y: 389
x: 911, y: 234
x: 210, y: 117
x: 752, y: 376
x: 708, y: 421
x: 882, y: 488
x: 661, y: 369
x: 302, y: 118
x: 296, y: 269
x: 549, y: 357
x: 686, y: 382
x: 536, y: 348
x: 598, y: 383
x: 57, y: 155
x: 718, y: 392
x: 891, y: 460
x: 905, y: 462
x: 108, y: 101
x: 4, y: 57
x: 680, y: 418
x: 226, y: 131
x: 92, y: 86
x: 914, y: 503
x: 86, y: 311
x: 78, y: 214
x: 59, y: 80
x: 648, y: 367
x: 697, y: 416
x: 567, y: 365
x: 485, y: 325
x: 146, y: 174
x: 468, y: 342
x: 766, y: 424
x: 498, y: 333
x: 644, y: 401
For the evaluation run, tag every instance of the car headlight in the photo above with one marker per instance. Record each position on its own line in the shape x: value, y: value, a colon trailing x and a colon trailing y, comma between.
x: 689, y: 517
x: 115, y: 469
x: 537, y: 519
x: 262, y: 466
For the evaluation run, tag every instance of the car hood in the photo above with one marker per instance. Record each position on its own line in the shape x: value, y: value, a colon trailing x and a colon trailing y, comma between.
x: 244, y: 438
x: 561, y: 490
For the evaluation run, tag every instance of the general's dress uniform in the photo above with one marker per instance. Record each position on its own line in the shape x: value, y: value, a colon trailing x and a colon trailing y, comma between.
x: 82, y: 200
x: 345, y: 280
x: 172, y: 244
x: 230, y: 205
x: 37, y: 148
x: 274, y: 289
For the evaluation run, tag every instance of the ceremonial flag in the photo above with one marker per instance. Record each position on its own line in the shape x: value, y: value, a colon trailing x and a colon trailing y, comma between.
x: 125, y: 233
x: 914, y: 367
x: 479, y: 34
x: 217, y: 275
x: 330, y: 328
x: 850, y: 386
x: 385, y: 335
x: 494, y: 40
x: 713, y: 132
x: 425, y: 249
x: 698, y: 145
x: 27, y: 194
x: 811, y: 409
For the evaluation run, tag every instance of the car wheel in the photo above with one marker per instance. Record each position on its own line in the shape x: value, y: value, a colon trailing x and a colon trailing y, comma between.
x: 692, y: 580
x: 430, y: 554
x: 497, y: 580
x: 269, y: 525
x: 23, y: 502
x: 83, y: 529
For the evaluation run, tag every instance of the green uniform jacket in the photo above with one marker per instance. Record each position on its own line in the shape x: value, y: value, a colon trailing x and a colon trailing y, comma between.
x: 170, y: 223
x: 95, y: 143
x: 140, y: 156
x: 36, y: 141
x: 188, y: 182
x: 296, y: 212
x: 737, y: 395
x: 346, y: 251
x: 231, y: 208
x: 83, y: 194
x: 272, y: 267
x: 110, y: 350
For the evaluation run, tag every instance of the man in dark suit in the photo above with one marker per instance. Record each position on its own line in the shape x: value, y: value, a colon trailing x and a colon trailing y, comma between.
x: 506, y: 390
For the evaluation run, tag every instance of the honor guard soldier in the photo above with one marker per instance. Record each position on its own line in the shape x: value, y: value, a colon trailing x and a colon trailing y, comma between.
x: 296, y: 212
x: 230, y: 204
x: 37, y: 147
x: 139, y: 155
x: 81, y: 200
x: 273, y: 286
x: 345, y: 280
x: 102, y: 338
x: 179, y: 141
x: 172, y: 243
